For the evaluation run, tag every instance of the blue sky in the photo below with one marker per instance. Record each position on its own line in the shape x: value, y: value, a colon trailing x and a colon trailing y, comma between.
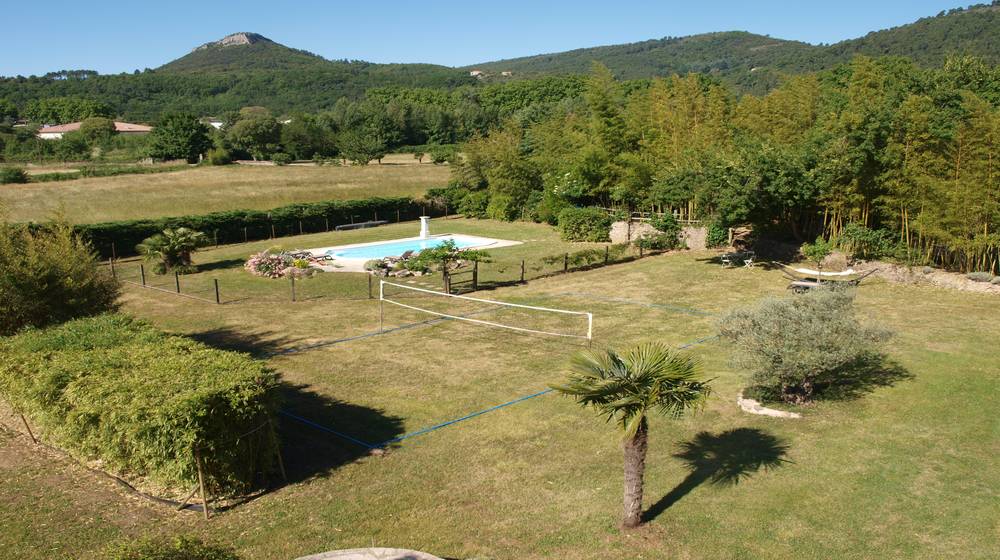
x: 120, y: 36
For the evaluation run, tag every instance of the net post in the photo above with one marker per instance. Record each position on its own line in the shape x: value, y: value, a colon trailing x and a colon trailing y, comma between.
x: 590, y: 329
x: 381, y: 304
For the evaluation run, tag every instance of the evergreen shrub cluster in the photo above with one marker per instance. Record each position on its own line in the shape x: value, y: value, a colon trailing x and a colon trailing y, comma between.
x: 114, y: 389
x: 585, y: 224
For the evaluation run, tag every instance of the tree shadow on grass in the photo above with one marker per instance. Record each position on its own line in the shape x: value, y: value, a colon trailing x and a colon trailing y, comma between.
x: 257, y: 344
x: 309, y: 450
x: 862, y: 376
x: 722, y: 459
x: 221, y: 265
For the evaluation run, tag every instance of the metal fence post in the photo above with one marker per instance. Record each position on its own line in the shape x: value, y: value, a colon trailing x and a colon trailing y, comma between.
x: 292, y: 278
x: 369, y: 285
x: 216, y: 282
x: 216, y: 235
x: 326, y: 220
x: 177, y: 281
x: 301, y: 231
x: 244, y: 234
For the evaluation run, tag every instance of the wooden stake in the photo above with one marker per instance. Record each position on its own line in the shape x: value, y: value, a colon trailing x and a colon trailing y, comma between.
x: 522, y: 271
x: 292, y: 278
x: 218, y: 300
x: 187, y: 500
x: 177, y: 281
x: 277, y: 451
x: 201, y: 483
x: 142, y: 275
x: 27, y: 427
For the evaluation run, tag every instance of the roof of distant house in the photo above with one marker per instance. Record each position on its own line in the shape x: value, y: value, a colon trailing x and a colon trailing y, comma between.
x: 119, y: 127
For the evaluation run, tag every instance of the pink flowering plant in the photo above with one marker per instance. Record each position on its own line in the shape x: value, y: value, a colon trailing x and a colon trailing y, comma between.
x: 268, y: 265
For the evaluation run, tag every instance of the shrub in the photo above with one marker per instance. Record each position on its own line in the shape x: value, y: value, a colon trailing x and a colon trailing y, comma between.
x: 799, y: 346
x: 817, y: 250
x: 450, y: 196
x: 49, y: 275
x: 666, y: 223
x: 113, y: 389
x: 180, y: 548
x: 979, y: 276
x: 10, y: 175
x: 474, y: 204
x: 502, y: 207
x: 281, y: 158
x: 584, y: 224
x: 658, y: 242
x: 868, y: 244
x: 717, y: 235
x: 441, y: 154
x: 219, y: 156
x: 268, y: 264
x: 171, y: 250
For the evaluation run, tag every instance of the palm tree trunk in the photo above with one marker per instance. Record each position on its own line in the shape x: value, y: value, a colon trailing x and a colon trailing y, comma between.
x: 635, y: 467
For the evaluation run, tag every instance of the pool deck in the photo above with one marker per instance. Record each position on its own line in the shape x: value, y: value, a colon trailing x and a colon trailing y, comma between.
x: 341, y: 264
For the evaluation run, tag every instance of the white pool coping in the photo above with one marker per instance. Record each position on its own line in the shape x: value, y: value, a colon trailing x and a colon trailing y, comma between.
x: 341, y: 264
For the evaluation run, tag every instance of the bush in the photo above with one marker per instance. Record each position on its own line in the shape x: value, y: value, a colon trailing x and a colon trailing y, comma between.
x: 658, y: 242
x: 180, y: 548
x: 797, y: 347
x: 49, y: 275
x: 281, y: 158
x: 219, y: 156
x: 584, y: 224
x: 113, y: 389
x: 869, y: 244
x: 441, y: 154
x: 666, y: 223
x: 503, y: 207
x: 717, y: 235
x: 9, y: 175
x: 980, y: 276
x: 171, y: 250
x: 474, y: 204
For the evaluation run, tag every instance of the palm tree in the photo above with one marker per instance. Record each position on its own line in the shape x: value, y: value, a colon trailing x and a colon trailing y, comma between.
x: 172, y: 249
x: 626, y: 388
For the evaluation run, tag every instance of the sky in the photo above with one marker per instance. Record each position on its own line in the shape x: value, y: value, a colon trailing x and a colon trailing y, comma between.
x: 121, y: 36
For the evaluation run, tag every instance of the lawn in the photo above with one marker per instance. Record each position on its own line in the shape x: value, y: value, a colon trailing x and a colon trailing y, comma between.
x: 904, y: 471
x: 205, y: 189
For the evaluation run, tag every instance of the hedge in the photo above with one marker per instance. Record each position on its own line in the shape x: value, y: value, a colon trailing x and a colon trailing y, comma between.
x: 230, y: 226
x: 113, y: 389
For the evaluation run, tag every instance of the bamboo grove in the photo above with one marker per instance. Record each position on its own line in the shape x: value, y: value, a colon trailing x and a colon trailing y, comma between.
x: 875, y: 145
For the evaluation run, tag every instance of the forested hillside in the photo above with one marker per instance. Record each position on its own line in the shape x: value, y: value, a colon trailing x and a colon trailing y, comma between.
x: 214, y: 79
x: 754, y: 62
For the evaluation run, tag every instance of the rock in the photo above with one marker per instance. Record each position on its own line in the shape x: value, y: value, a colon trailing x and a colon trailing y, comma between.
x: 754, y: 407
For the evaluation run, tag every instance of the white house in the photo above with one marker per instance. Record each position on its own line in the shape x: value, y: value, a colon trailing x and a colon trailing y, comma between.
x: 56, y: 132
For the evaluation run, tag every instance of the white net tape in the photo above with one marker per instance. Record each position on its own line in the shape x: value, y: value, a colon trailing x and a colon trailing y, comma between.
x: 530, y: 319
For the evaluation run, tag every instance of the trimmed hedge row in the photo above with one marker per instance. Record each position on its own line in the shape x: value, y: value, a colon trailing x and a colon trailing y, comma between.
x: 114, y: 389
x: 120, y: 238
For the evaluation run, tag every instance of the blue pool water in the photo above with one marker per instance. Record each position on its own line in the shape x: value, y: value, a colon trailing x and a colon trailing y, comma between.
x: 396, y: 248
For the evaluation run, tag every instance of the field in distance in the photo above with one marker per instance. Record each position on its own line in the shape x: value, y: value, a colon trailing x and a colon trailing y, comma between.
x: 208, y: 189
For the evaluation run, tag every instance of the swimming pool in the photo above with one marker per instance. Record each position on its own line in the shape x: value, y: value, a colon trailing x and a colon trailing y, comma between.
x: 397, y: 248
x: 353, y: 257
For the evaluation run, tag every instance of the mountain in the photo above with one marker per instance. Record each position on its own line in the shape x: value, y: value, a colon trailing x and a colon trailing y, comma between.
x: 243, y: 51
x: 734, y: 55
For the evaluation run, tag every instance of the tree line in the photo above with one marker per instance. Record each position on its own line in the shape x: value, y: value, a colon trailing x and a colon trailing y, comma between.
x: 877, y: 151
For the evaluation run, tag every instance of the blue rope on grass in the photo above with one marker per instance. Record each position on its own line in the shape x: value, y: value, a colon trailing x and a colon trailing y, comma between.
x: 354, y: 440
x: 463, y: 418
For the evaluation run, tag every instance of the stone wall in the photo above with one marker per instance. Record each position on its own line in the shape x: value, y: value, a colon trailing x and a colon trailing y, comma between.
x: 693, y: 237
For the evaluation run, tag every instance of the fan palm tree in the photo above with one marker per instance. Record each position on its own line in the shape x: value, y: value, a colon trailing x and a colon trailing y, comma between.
x: 172, y: 249
x: 626, y: 388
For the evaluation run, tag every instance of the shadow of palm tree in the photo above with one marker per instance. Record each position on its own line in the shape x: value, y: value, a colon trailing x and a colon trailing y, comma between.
x: 722, y: 459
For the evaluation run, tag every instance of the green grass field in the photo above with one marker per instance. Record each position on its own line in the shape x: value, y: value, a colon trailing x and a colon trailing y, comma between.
x: 904, y: 471
x: 207, y: 189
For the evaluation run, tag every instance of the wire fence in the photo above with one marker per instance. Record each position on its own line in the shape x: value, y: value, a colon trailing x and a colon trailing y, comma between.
x: 231, y: 285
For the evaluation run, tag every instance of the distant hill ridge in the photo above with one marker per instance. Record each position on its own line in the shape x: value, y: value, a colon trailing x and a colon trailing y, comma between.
x: 733, y: 54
